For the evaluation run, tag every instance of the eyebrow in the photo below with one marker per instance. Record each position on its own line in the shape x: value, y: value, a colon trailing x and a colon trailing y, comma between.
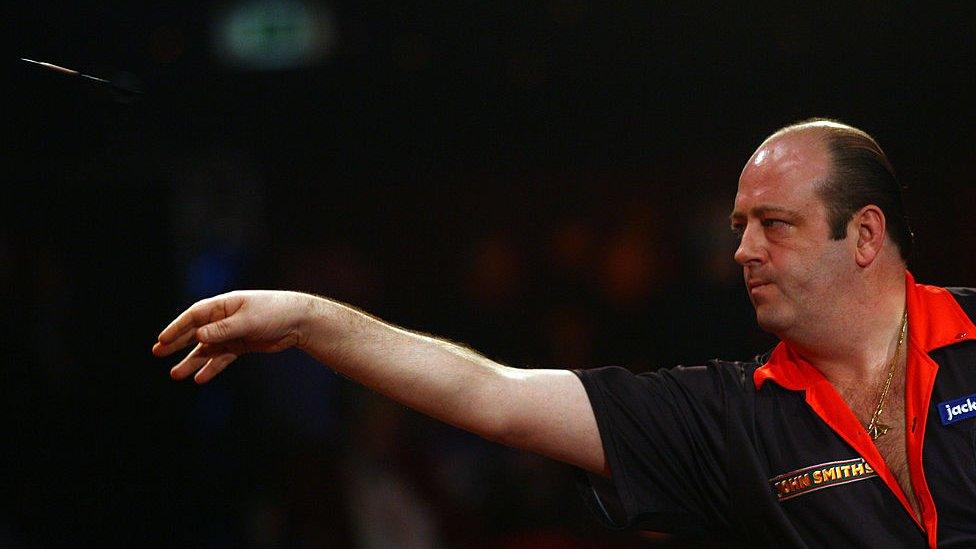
x: 759, y: 211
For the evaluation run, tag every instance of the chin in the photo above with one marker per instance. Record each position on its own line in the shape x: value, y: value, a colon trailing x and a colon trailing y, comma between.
x: 770, y: 320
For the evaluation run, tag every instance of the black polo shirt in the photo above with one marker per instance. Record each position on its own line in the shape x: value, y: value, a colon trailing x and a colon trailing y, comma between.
x: 768, y: 453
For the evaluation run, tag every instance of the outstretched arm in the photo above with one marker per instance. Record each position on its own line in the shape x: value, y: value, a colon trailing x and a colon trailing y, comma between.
x: 543, y: 411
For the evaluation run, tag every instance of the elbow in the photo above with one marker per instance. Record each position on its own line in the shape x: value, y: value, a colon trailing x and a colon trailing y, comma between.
x: 496, y: 424
x: 496, y: 413
x: 501, y: 431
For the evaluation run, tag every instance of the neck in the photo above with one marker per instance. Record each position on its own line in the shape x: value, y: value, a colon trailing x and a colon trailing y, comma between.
x: 854, y: 341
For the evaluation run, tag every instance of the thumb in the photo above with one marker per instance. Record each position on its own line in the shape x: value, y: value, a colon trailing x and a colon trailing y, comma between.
x: 221, y: 331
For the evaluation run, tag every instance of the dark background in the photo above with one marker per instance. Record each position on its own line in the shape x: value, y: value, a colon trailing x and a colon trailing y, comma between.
x: 548, y: 182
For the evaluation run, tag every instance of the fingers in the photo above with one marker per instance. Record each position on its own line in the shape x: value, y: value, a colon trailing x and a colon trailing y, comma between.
x: 215, y: 324
x: 227, y: 329
x: 197, y: 358
x: 205, y: 360
x: 214, y: 367
x: 182, y: 331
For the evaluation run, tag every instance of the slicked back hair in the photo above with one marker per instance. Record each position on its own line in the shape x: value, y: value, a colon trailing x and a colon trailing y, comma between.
x: 860, y: 174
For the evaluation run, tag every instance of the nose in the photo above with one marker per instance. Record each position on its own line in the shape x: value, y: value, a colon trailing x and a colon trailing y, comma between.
x: 750, y: 248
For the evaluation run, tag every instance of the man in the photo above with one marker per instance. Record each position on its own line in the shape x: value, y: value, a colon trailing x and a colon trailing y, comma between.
x: 854, y: 430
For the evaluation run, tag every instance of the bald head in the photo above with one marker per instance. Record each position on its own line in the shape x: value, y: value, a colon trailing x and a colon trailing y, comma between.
x: 819, y: 128
x: 857, y: 173
x: 790, y: 155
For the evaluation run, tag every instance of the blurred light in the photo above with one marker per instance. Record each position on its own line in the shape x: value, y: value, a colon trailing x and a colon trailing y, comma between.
x: 572, y: 246
x: 495, y: 271
x: 627, y: 269
x: 273, y: 35
x: 213, y: 272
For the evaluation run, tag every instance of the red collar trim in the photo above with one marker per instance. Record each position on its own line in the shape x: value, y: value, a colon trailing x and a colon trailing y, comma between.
x: 935, y: 320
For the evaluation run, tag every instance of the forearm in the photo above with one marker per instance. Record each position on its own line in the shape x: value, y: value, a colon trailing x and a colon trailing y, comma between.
x: 544, y: 411
x: 433, y: 376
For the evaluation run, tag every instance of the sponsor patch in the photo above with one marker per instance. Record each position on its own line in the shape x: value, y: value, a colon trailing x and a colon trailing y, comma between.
x: 816, y: 477
x: 959, y: 409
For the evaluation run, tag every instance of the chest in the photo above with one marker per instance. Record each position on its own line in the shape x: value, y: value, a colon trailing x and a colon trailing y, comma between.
x: 892, y: 444
x: 818, y: 478
x: 796, y: 440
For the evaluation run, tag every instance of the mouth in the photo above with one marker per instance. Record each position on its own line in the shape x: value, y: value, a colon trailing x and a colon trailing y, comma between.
x: 754, y: 285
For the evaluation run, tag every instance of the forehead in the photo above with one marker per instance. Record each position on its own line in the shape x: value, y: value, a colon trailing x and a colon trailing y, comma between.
x: 783, y: 172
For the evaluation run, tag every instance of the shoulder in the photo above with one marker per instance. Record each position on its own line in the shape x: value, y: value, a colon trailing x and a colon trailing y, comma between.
x: 739, y: 366
x: 738, y: 372
x: 731, y: 370
x: 712, y: 382
x: 966, y: 297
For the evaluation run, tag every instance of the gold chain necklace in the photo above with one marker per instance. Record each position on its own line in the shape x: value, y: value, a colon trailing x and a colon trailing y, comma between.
x: 877, y: 429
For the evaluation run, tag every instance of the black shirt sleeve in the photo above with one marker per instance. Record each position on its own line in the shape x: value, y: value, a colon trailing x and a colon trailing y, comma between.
x: 664, y: 436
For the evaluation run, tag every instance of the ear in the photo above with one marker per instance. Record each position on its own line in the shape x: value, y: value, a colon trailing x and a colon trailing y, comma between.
x: 869, y: 224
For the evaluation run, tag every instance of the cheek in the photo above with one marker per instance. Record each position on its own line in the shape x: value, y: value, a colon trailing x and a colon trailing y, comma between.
x: 806, y: 273
x: 823, y: 272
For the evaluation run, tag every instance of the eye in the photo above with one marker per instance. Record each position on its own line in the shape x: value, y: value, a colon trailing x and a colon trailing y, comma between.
x: 737, y: 230
x: 774, y: 223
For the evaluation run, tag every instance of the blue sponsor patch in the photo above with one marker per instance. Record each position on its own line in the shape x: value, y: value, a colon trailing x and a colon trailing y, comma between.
x: 959, y: 409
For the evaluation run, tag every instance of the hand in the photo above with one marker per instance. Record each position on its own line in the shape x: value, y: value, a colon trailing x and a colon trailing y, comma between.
x: 229, y: 325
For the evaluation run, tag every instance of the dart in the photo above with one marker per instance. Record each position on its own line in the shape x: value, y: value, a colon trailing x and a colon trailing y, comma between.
x: 115, y: 85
